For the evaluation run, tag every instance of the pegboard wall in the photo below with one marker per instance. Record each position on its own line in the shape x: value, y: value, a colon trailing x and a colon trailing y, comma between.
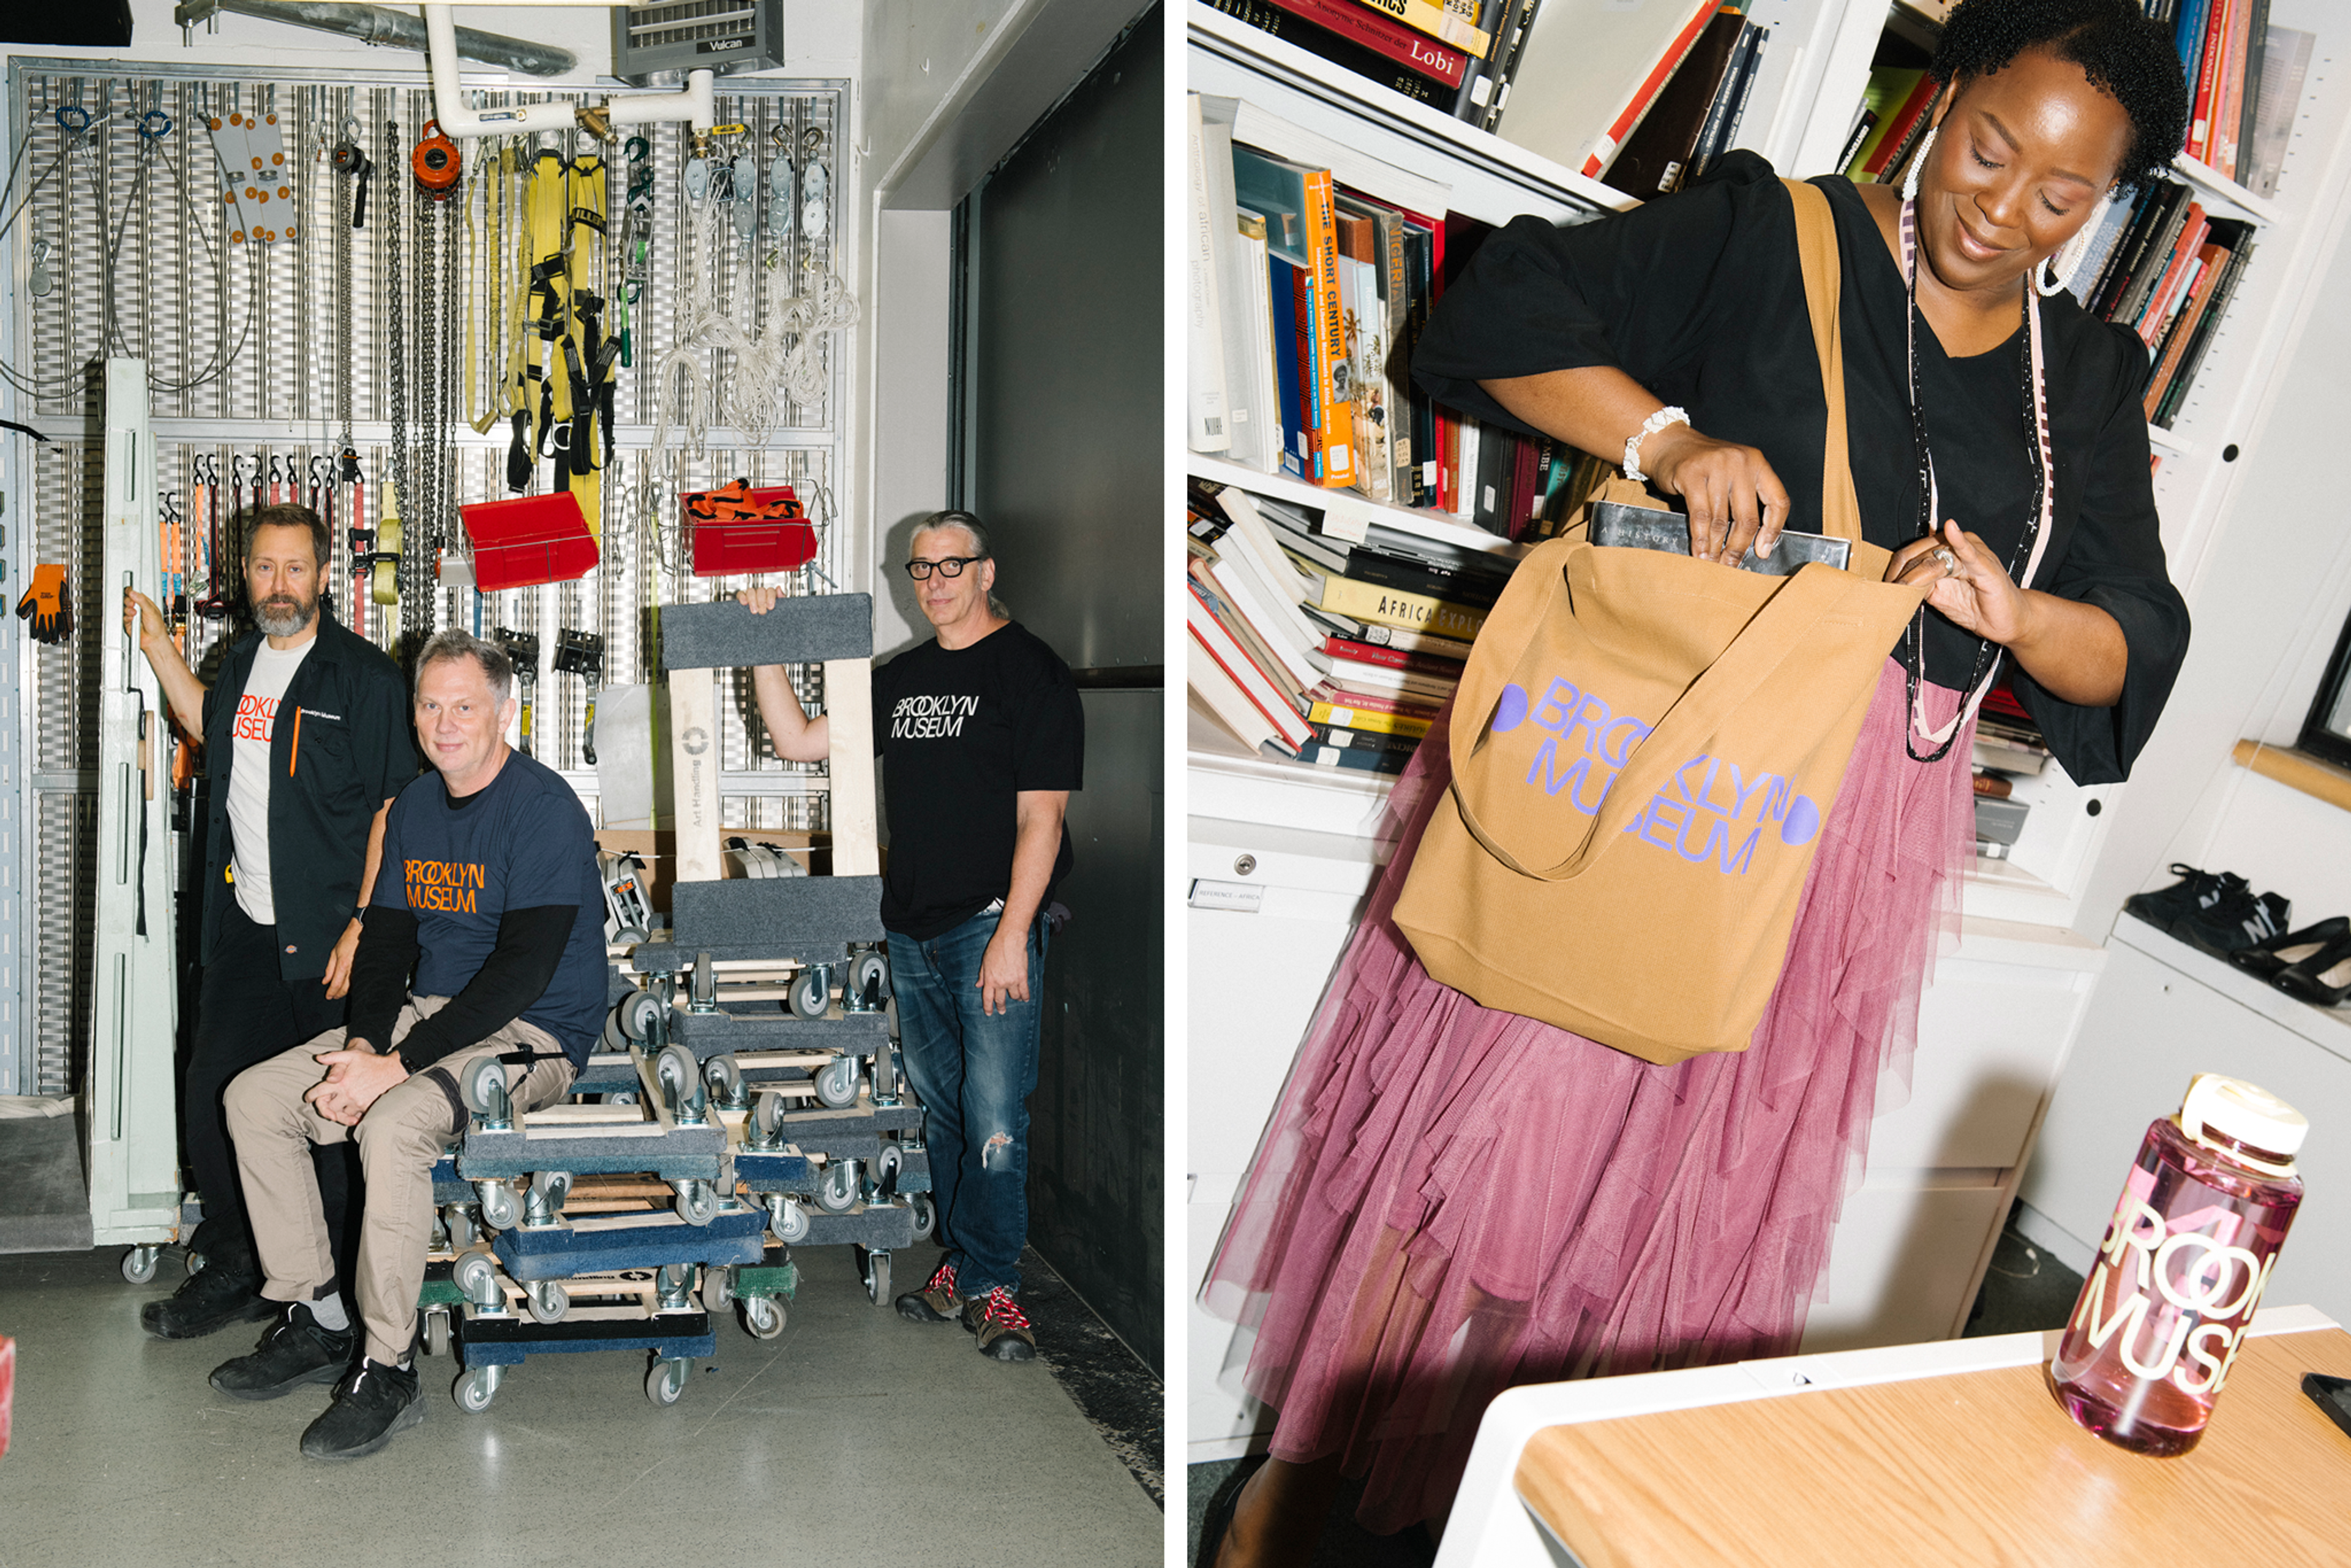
x: 119, y: 244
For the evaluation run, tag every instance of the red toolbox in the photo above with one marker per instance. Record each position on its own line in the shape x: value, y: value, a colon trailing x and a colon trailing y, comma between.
x: 528, y: 540
x: 738, y: 530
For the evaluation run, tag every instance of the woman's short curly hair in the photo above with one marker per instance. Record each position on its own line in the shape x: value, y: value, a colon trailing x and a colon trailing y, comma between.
x: 2124, y: 54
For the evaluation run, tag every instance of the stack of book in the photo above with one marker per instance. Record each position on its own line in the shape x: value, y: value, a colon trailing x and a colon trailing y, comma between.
x: 1313, y: 649
x: 1894, y: 119
x: 1311, y: 271
x: 2235, y: 61
x: 2008, y: 746
x: 1673, y: 81
x: 2160, y: 264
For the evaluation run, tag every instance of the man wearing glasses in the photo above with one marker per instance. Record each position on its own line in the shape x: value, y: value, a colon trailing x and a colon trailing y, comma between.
x: 982, y: 738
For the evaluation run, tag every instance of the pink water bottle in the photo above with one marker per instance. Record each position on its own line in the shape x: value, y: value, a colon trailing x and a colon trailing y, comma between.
x: 2184, y: 1263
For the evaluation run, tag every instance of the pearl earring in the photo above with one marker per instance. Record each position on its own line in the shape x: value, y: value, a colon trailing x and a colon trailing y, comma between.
x: 1918, y: 161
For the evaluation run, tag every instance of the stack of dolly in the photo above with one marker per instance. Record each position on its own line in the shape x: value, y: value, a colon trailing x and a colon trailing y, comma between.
x: 744, y: 1098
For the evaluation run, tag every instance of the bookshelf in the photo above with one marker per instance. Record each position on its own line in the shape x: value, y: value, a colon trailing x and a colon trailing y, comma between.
x: 2000, y: 1018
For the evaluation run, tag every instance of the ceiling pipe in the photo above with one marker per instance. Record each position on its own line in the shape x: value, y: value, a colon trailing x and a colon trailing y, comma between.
x: 461, y: 122
x: 387, y: 28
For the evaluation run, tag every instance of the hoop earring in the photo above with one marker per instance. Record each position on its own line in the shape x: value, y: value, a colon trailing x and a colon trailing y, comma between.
x: 1918, y: 161
x: 2055, y: 275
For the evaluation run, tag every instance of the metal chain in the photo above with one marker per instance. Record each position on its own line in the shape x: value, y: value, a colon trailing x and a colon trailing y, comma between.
x: 414, y: 613
x: 395, y: 185
x: 344, y: 369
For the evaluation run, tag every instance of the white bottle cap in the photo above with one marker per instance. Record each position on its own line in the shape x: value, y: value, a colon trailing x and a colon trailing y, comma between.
x: 2244, y: 1113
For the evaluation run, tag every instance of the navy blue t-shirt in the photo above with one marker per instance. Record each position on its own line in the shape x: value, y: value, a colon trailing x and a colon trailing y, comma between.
x: 523, y: 842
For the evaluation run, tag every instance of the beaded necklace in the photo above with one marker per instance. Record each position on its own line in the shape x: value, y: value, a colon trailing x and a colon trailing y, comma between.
x: 2029, y: 548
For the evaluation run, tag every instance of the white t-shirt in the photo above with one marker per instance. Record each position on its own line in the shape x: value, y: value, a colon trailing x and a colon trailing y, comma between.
x: 248, y: 775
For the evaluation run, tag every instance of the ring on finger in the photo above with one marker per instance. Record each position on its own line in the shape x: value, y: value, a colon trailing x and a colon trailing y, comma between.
x: 1950, y: 561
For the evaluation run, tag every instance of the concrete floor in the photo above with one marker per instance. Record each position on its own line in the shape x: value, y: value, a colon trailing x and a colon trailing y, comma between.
x: 854, y: 1437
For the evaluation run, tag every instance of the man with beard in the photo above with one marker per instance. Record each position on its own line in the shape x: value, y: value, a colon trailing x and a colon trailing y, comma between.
x: 306, y: 743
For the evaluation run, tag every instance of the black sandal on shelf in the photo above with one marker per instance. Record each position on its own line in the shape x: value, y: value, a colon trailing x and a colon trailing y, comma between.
x: 2266, y: 958
x: 2322, y: 979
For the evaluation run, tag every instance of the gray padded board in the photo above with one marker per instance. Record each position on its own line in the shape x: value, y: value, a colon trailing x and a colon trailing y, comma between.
x: 715, y: 1034
x: 883, y: 1227
x: 724, y: 635
x: 809, y: 918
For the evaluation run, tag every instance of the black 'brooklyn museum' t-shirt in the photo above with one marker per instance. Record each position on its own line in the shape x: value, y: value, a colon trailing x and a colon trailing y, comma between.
x: 961, y: 733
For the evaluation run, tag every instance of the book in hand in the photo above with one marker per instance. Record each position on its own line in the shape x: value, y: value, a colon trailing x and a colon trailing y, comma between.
x: 1646, y: 527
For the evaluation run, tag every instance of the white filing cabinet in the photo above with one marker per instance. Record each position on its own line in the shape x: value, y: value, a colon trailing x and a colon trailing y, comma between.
x: 1281, y: 861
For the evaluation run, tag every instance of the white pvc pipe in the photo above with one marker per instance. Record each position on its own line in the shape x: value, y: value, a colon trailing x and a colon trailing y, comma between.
x: 460, y: 123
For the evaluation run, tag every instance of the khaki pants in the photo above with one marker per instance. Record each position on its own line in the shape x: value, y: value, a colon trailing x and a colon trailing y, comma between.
x: 410, y: 1126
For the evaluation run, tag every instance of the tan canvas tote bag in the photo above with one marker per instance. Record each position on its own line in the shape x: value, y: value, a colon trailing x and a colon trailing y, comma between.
x: 1644, y: 750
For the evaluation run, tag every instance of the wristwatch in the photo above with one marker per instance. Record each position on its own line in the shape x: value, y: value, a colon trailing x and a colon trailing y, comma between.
x: 1649, y: 427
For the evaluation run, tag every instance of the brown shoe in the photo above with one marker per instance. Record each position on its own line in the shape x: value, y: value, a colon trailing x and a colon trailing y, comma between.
x: 935, y: 1302
x: 997, y: 1321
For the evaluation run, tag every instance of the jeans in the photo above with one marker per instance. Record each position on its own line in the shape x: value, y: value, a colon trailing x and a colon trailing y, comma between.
x: 974, y: 1073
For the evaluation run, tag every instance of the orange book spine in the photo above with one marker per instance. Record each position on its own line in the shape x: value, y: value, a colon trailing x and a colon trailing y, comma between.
x: 1331, y: 375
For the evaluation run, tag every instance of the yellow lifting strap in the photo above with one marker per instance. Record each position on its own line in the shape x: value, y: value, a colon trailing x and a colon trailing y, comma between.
x: 585, y: 250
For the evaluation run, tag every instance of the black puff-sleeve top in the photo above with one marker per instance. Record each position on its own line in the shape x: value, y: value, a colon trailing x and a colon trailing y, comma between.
x: 1699, y: 297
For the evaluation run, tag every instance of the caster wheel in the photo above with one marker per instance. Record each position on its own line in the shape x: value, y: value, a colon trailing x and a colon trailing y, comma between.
x: 553, y: 1187
x: 138, y: 1264
x: 666, y: 1381
x: 926, y: 1218
x: 436, y: 1333
x: 485, y: 1087
x: 836, y: 1084
x: 675, y: 1071
x: 475, y: 1388
x: 877, y: 1278
x: 724, y: 1079
x: 767, y: 1115
x: 811, y: 993
x: 638, y: 1012
x: 697, y: 1202
x: 763, y: 1317
x: 500, y: 1206
x: 869, y: 979
x: 457, y: 1218
x: 628, y: 936
x: 621, y: 1097
x: 549, y: 1301
x: 718, y: 1289
x: 791, y: 1225
x: 836, y: 1191
x: 477, y: 1276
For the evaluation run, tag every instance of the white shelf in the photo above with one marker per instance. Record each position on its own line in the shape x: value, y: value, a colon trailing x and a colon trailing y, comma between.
x: 1347, y: 512
x: 1450, y: 141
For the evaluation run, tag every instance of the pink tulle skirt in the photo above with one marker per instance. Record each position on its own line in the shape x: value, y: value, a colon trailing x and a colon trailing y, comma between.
x: 1449, y: 1201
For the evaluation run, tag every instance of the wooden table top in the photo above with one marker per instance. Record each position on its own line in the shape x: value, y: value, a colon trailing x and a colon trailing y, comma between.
x: 1972, y: 1468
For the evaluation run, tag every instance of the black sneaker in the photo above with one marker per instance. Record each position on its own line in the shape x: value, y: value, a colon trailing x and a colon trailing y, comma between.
x: 2234, y: 918
x: 371, y: 1405
x: 226, y: 1291
x: 2165, y: 904
x: 297, y: 1350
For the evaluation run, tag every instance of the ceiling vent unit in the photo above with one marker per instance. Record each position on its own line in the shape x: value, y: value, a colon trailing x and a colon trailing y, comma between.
x: 655, y: 45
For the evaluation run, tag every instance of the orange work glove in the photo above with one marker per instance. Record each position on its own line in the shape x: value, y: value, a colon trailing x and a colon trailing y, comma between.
x: 44, y: 605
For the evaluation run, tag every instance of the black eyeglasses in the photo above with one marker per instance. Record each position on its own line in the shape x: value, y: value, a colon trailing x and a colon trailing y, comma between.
x: 952, y: 566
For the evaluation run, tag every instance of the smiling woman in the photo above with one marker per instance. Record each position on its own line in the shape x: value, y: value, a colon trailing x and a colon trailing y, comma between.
x: 1452, y: 1199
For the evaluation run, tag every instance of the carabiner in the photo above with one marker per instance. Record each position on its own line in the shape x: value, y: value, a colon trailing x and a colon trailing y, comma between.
x: 72, y: 119
x: 155, y: 125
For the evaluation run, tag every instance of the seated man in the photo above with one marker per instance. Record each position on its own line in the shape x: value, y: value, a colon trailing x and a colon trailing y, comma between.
x: 490, y: 893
